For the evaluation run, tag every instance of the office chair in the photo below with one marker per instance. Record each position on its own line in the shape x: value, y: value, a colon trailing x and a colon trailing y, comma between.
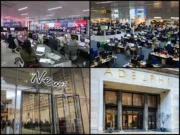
x: 95, y: 53
x: 98, y: 45
x: 169, y: 61
x: 154, y: 60
x: 91, y: 51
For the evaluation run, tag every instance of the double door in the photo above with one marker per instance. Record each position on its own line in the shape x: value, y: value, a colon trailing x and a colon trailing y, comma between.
x: 152, y: 120
x: 132, y: 119
x: 39, y: 116
x: 111, y: 118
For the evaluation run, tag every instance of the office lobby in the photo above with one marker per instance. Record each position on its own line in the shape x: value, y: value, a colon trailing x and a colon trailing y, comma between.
x: 134, y: 34
x: 134, y: 101
x: 31, y: 105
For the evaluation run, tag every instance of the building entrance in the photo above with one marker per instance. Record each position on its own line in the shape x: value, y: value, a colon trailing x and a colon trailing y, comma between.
x: 132, y: 119
x: 38, y: 117
x: 111, y: 118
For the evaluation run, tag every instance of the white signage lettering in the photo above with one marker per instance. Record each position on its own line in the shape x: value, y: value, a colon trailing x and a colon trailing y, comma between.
x: 47, y: 80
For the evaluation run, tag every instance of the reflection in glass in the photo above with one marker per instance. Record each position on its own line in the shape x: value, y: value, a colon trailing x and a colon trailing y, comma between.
x: 127, y: 98
x: 151, y: 101
x: 110, y: 97
x: 138, y: 100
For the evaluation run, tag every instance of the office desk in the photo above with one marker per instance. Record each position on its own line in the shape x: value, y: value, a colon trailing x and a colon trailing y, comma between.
x: 104, y: 61
x: 141, y: 64
x: 62, y: 62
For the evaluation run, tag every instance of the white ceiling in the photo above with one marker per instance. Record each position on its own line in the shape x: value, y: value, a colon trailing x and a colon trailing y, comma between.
x: 39, y: 9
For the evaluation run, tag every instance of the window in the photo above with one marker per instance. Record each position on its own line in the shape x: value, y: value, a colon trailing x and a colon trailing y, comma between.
x: 151, y: 101
x: 127, y: 99
x: 138, y: 100
x: 110, y: 97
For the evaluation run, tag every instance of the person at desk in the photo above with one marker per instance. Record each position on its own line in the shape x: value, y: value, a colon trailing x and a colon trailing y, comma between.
x: 27, y: 54
x: 11, y: 42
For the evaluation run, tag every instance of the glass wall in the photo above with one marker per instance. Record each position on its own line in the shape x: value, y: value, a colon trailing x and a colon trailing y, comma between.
x: 30, y: 108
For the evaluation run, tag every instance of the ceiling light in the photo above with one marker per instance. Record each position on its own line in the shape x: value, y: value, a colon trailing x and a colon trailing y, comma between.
x: 54, y: 8
x: 157, y: 17
x: 7, y: 17
x: 22, y: 8
x: 104, y: 2
x: 174, y: 17
x: 49, y: 15
x: 85, y: 10
x: 24, y: 14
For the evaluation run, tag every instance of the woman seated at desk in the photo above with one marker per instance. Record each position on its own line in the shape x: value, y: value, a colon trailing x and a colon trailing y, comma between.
x: 27, y: 54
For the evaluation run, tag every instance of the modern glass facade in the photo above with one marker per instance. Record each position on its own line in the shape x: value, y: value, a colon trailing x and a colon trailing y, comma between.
x: 38, y: 108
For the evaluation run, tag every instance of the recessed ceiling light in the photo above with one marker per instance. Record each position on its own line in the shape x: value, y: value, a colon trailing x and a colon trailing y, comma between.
x: 104, y: 2
x: 25, y: 14
x: 54, y: 8
x: 22, y: 8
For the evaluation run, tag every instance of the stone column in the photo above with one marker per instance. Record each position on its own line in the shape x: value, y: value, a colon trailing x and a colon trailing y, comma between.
x: 119, y: 122
x: 145, y: 114
x: 157, y: 113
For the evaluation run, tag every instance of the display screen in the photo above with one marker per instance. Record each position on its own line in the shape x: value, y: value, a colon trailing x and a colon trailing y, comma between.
x: 12, y: 29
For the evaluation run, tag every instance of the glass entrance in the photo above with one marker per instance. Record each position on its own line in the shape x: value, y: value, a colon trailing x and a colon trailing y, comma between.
x: 152, y: 120
x: 132, y: 119
x: 68, y: 115
x: 35, y: 118
x: 111, y: 118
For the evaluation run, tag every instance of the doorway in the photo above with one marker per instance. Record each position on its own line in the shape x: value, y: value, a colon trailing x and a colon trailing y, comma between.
x: 68, y: 115
x: 35, y: 113
x: 132, y: 119
x: 111, y: 118
x: 152, y: 120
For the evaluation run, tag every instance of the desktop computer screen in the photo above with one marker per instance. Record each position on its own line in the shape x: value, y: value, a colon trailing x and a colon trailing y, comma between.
x: 76, y: 36
x: 82, y: 43
x: 87, y: 40
x: 12, y: 29
x: 97, y: 59
x: 104, y: 55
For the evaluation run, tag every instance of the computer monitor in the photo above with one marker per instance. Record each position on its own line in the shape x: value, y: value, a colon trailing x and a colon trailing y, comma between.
x: 76, y: 36
x: 12, y: 29
x: 101, y: 53
x: 81, y: 43
x: 109, y: 53
x: 104, y: 56
x: 87, y: 40
x: 97, y: 59
x: 134, y: 62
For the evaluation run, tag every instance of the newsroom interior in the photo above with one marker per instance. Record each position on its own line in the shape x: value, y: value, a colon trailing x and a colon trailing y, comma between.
x: 134, y: 34
x: 33, y: 108
x: 58, y: 33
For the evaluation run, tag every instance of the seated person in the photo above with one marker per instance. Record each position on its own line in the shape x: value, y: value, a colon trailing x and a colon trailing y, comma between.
x: 27, y: 54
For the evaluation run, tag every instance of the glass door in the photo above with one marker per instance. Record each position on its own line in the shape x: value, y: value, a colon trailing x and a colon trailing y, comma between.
x: 152, y: 122
x: 35, y: 113
x: 132, y: 119
x: 111, y: 118
x: 68, y: 115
